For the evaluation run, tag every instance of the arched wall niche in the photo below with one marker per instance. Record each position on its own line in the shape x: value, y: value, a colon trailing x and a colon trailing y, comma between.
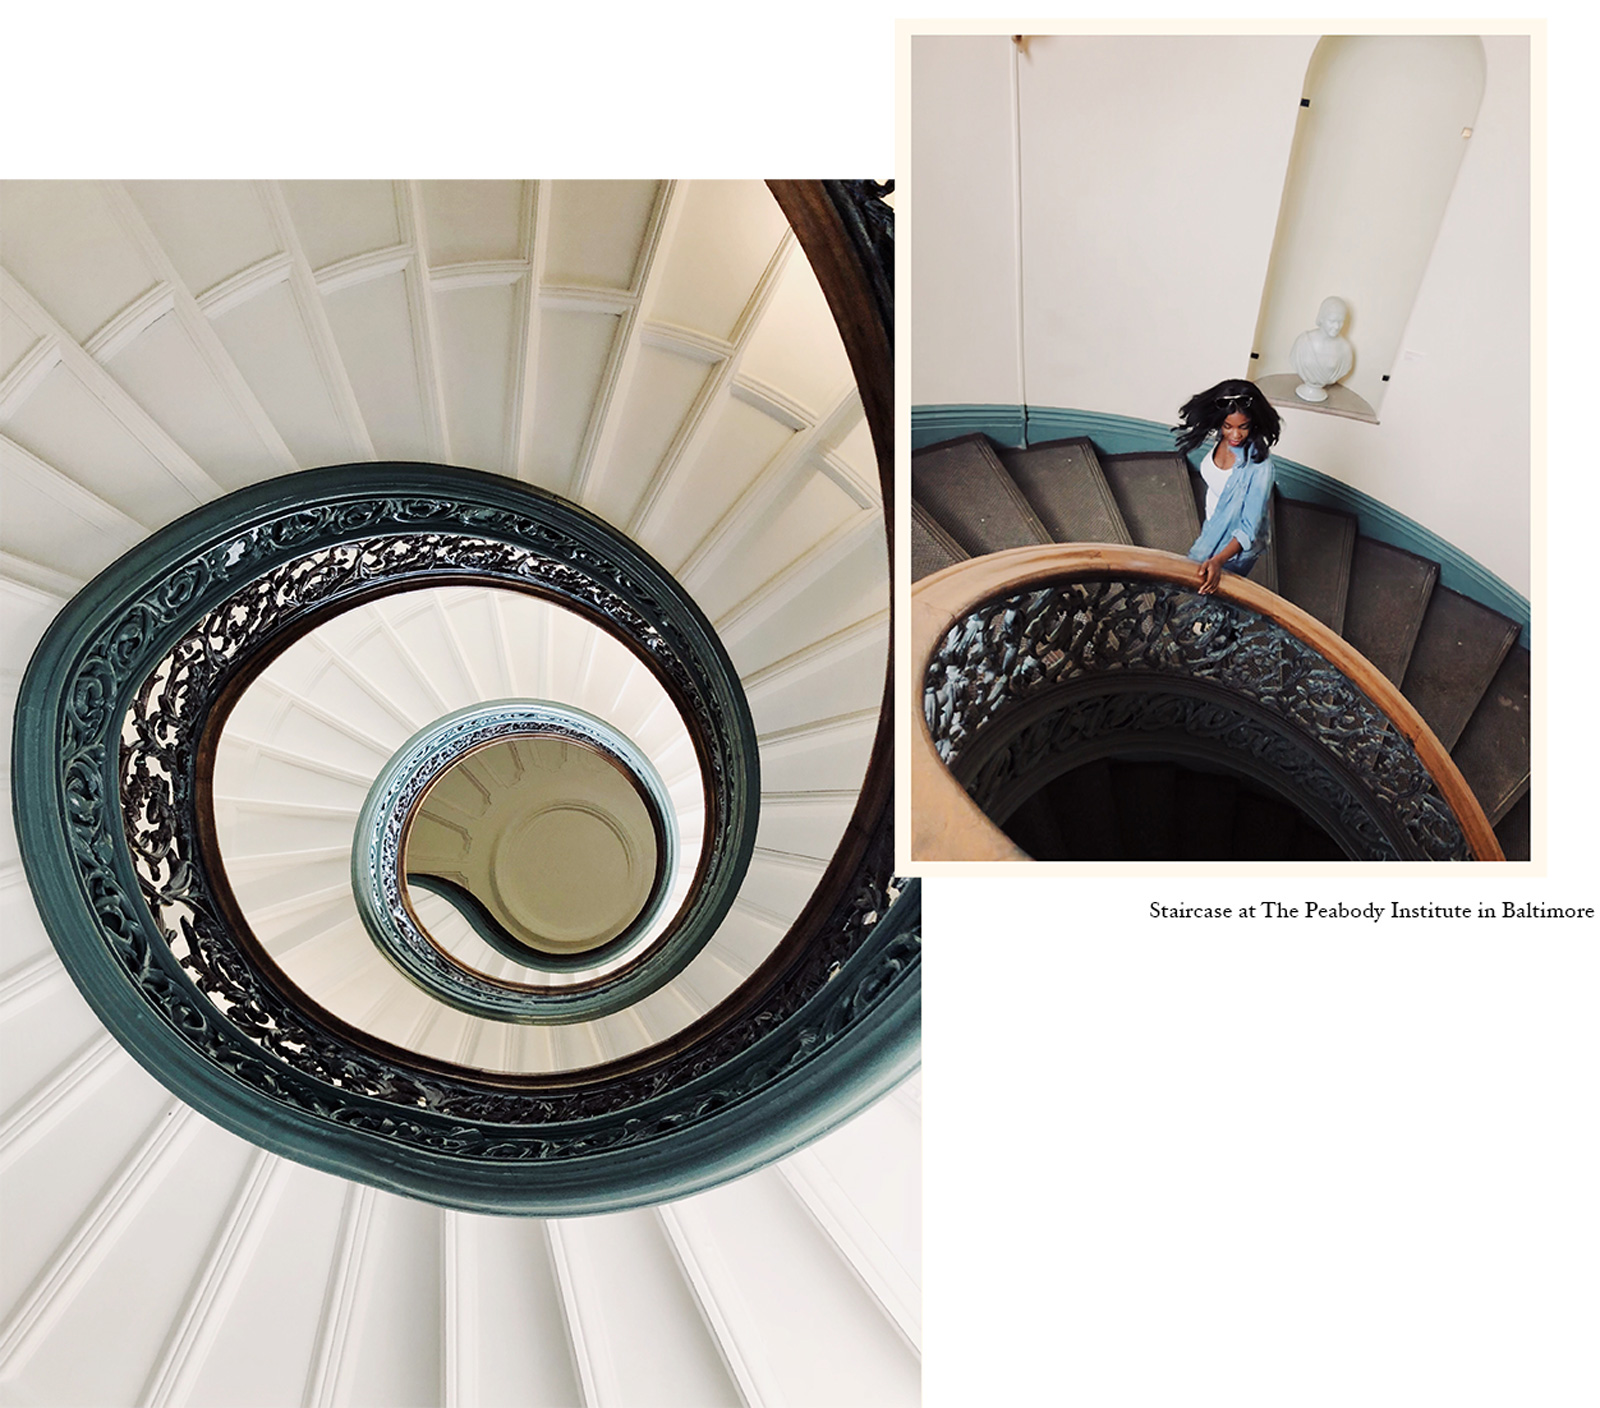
x: 1374, y: 160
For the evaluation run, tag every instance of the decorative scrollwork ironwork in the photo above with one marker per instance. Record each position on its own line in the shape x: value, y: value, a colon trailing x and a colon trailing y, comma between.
x: 992, y: 688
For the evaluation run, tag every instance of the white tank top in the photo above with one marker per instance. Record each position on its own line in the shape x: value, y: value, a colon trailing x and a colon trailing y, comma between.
x: 1217, y: 479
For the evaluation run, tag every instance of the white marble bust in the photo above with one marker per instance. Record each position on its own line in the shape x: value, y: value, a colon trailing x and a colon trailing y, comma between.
x: 1321, y: 356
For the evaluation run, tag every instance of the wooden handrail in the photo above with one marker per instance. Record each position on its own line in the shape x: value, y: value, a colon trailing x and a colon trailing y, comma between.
x: 948, y: 825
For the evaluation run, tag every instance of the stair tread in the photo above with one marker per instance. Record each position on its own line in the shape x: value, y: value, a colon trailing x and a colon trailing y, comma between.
x: 1492, y: 751
x: 932, y: 549
x: 1515, y: 830
x: 1067, y: 489
x: 1152, y: 492
x: 1315, y: 545
x: 1388, y: 596
x: 965, y: 489
x: 1458, y: 651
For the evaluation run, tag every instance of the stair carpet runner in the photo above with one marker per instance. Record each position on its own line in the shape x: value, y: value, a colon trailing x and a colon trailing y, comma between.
x: 1456, y: 661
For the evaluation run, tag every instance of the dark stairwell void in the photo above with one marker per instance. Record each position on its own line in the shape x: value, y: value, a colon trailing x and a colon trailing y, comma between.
x: 1456, y: 661
x: 1162, y: 808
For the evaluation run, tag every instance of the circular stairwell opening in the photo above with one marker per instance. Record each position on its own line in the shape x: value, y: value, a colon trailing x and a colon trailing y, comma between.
x: 556, y: 840
x: 1161, y: 805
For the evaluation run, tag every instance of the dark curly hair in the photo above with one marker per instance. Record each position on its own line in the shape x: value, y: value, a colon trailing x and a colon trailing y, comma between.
x: 1202, y: 416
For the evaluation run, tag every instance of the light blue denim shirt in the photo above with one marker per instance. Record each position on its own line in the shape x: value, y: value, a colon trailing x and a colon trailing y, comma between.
x: 1241, y: 513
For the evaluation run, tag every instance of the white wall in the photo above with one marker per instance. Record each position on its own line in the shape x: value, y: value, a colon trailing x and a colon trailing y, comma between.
x: 1136, y: 294
x: 963, y: 234
x: 1152, y: 169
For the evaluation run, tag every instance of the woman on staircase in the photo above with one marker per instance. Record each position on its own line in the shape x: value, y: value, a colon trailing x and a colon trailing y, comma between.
x: 1237, y: 474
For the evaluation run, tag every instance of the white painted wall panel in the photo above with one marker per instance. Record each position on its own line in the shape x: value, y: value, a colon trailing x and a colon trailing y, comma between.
x: 573, y: 352
x: 210, y: 230
x: 395, y: 1360
x: 854, y: 588
x: 249, y: 1365
x: 740, y: 442
x: 336, y: 220
x: 472, y: 220
x: 63, y: 1174
x: 68, y: 427
x: 268, y: 341
x: 16, y: 340
x: 373, y: 326
x: 66, y: 248
x: 160, y: 1252
x: 727, y: 233
x: 640, y: 1321
x: 1152, y: 168
x: 810, y: 507
x: 663, y: 390
x: 796, y: 347
x: 167, y: 375
x: 961, y: 230
x: 835, y: 757
x: 476, y: 330
x: 521, y: 1334
x: 597, y: 229
x: 815, y: 1330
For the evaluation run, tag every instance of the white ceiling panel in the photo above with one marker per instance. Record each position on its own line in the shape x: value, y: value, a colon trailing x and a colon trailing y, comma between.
x: 338, y: 219
x: 371, y: 322
x: 820, y: 760
x: 597, y: 229
x: 811, y: 827
x: 468, y: 221
x: 855, y: 588
x: 66, y: 248
x: 795, y: 347
x: 740, y: 443
x: 855, y: 450
x: 573, y: 352
x: 17, y: 339
x: 210, y: 230
x: 810, y: 507
x: 269, y: 344
x: 68, y: 428
x: 476, y: 330
x: 166, y: 374
x: 663, y: 389
x: 58, y: 529
x: 726, y: 236
x: 833, y: 683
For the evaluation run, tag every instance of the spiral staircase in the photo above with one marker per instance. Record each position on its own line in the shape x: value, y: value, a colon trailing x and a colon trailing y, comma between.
x: 657, y: 367
x: 1456, y: 662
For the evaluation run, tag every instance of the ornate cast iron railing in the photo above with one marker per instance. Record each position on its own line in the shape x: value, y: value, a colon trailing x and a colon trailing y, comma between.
x: 117, y: 726
x: 1036, y: 661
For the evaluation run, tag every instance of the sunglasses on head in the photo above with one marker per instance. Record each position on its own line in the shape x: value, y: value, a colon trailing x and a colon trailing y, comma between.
x: 1229, y: 400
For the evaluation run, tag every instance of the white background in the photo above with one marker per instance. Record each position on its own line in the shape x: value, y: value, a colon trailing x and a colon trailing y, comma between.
x: 1167, y: 1163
